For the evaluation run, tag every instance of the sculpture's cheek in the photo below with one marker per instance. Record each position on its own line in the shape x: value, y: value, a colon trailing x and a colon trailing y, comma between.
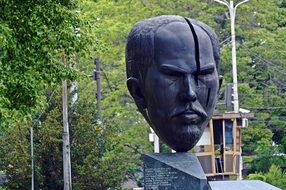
x: 207, y: 91
x: 161, y: 90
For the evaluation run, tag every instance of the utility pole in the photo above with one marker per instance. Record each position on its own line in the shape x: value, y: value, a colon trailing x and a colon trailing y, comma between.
x: 96, y: 77
x: 98, y: 88
x: 232, y: 12
x: 66, y: 139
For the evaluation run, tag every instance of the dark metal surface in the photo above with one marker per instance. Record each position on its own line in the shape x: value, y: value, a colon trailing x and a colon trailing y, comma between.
x: 173, y: 76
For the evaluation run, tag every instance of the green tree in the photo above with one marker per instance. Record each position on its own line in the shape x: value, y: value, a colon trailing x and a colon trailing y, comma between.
x: 256, y: 138
x: 35, y: 36
x: 14, y: 157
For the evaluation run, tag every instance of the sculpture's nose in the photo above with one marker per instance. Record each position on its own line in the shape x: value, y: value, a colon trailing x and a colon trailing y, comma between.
x: 188, y: 92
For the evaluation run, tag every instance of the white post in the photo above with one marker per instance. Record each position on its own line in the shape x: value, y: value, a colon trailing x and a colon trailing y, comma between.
x: 234, y: 68
x: 156, y: 144
x: 32, y: 156
x: 155, y: 140
x: 240, y: 165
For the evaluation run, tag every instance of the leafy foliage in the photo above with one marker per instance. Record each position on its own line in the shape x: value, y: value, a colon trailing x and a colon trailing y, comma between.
x: 256, y: 138
x: 14, y: 157
x: 274, y: 176
x: 36, y: 36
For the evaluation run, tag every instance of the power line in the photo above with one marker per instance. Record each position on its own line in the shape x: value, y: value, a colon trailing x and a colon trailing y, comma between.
x: 267, y: 108
x: 263, y: 121
x: 225, y: 40
x: 32, y: 141
x: 39, y: 117
x: 107, y: 80
x: 279, y: 68
x: 265, y: 84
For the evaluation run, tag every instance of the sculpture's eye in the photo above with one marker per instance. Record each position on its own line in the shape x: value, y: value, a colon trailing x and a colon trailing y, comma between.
x: 206, y: 72
x: 171, y: 72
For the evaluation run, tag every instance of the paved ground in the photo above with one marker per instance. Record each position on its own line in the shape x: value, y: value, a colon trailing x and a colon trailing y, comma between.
x: 241, y: 185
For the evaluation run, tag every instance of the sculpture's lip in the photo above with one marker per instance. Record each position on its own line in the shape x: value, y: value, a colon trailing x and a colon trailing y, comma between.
x: 189, y: 117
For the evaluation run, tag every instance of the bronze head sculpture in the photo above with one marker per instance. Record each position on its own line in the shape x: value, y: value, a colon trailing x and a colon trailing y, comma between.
x: 172, y: 75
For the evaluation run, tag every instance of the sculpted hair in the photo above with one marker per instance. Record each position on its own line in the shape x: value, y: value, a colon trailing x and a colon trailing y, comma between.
x: 213, y: 37
x: 140, y: 43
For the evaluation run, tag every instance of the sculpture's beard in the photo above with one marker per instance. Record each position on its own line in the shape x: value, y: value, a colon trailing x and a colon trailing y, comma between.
x: 187, y: 136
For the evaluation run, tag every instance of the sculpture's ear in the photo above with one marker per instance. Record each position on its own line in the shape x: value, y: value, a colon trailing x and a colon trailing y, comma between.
x: 136, y: 93
x: 220, y: 79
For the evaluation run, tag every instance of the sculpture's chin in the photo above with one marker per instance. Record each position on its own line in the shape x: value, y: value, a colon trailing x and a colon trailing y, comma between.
x: 182, y: 149
x: 184, y: 146
x: 182, y: 139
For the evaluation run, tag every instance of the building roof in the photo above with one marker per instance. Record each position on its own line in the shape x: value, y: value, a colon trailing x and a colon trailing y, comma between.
x: 241, y: 185
x: 232, y: 115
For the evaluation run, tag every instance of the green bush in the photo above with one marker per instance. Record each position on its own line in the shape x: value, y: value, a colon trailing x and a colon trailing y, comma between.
x: 274, y: 176
x: 256, y: 176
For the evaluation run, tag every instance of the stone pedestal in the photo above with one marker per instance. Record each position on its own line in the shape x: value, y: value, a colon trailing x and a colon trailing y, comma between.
x: 177, y: 171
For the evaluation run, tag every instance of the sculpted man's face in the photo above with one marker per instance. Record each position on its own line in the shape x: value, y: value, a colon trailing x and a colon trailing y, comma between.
x: 180, y: 91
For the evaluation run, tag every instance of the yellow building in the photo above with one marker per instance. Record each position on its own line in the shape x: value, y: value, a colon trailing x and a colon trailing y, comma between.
x: 219, y: 149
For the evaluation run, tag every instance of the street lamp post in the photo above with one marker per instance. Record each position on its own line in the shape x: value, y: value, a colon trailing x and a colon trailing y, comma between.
x: 232, y: 12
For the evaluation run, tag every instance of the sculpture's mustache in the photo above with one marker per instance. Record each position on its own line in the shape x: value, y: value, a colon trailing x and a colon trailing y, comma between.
x: 193, y: 107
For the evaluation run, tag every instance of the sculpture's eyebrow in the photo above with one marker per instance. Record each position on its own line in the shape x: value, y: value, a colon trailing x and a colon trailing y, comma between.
x: 165, y: 68
x: 209, y: 68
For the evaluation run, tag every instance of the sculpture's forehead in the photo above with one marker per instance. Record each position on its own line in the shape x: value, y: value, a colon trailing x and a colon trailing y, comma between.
x: 176, y: 41
x: 178, y: 37
x: 175, y: 36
